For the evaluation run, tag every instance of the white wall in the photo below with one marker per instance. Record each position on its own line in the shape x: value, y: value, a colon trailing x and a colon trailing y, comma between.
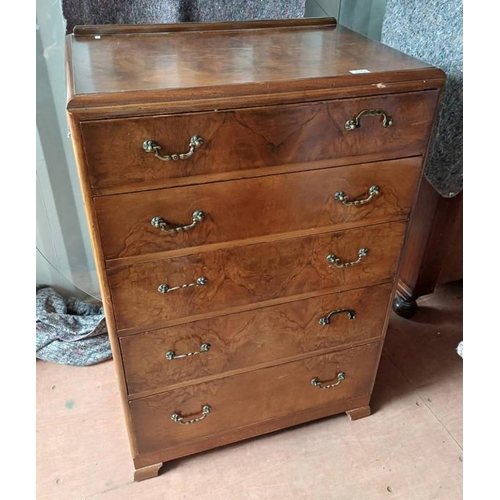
x: 322, y: 8
x: 64, y: 256
x: 363, y: 16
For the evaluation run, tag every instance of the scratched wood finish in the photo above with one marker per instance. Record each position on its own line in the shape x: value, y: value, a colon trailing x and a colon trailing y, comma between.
x: 243, y: 139
x: 148, y: 67
x: 250, y: 274
x: 241, y: 209
x: 244, y: 340
x: 268, y: 394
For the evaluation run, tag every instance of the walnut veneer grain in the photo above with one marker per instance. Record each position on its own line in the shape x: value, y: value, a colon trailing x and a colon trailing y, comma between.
x: 271, y: 100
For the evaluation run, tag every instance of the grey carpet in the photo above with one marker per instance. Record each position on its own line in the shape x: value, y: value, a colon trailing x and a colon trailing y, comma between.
x: 69, y: 331
x: 432, y: 31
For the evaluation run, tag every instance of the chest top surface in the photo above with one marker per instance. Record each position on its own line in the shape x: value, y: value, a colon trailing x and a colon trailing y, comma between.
x: 145, y: 63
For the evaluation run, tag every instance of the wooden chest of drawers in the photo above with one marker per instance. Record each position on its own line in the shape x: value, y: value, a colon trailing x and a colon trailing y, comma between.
x: 248, y: 187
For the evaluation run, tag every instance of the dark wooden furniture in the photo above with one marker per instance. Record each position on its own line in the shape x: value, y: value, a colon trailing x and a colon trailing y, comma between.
x: 247, y: 187
x: 433, y: 253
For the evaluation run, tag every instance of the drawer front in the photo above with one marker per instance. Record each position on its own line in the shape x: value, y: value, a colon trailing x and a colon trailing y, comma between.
x: 235, y: 210
x: 155, y: 360
x: 244, y: 275
x: 254, y: 137
x: 252, y: 397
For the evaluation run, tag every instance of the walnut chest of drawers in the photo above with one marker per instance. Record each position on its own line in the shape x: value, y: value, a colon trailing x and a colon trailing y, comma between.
x: 248, y: 188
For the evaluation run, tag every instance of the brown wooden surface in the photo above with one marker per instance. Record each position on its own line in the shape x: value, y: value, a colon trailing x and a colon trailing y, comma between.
x: 252, y: 138
x: 249, y: 431
x: 434, y: 242
x: 195, y: 102
x: 269, y: 393
x: 268, y: 102
x: 248, y: 173
x: 241, y: 209
x: 250, y: 274
x: 452, y: 264
x: 147, y: 472
x: 418, y: 233
x: 363, y: 411
x: 102, y: 276
x: 112, y: 29
x: 249, y: 339
x: 149, y: 67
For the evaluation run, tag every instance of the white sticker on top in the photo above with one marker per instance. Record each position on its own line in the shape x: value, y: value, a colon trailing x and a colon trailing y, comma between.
x: 358, y: 71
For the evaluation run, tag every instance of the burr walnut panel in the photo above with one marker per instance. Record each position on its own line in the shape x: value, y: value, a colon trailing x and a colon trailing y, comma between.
x: 246, y: 339
x: 246, y: 208
x: 242, y: 139
x: 251, y: 274
x: 268, y: 394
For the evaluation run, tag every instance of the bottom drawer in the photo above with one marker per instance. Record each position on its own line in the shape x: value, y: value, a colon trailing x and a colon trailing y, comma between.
x: 251, y: 397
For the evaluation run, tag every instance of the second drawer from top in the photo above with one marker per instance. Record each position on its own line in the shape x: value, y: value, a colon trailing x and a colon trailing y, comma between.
x: 168, y: 219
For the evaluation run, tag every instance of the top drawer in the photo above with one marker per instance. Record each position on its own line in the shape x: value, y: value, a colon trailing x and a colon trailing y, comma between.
x: 242, y: 139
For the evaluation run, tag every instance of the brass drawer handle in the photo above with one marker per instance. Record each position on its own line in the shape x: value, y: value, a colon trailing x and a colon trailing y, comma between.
x: 345, y: 200
x: 160, y: 222
x: 333, y: 259
x: 164, y: 288
x: 353, y: 124
x: 326, y: 319
x: 178, y: 418
x: 205, y: 347
x: 317, y: 383
x: 152, y: 147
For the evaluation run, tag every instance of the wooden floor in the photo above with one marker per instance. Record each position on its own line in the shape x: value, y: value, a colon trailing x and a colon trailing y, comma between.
x: 409, y: 449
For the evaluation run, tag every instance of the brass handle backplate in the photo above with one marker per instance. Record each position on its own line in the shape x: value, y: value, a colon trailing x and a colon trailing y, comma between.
x: 179, y: 419
x: 341, y: 197
x: 164, y: 288
x: 333, y: 259
x: 205, y: 347
x: 353, y: 124
x: 325, y: 320
x: 160, y: 223
x: 151, y: 146
x: 321, y: 385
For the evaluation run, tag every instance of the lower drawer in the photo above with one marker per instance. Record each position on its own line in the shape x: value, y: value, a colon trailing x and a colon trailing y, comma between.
x: 246, y: 339
x: 258, y: 396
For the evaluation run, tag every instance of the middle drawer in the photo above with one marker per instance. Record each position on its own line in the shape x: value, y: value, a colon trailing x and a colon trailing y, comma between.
x: 156, y: 360
x: 146, y: 222
x: 152, y: 294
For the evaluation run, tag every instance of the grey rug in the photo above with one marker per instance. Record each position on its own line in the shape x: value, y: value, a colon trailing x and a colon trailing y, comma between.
x: 432, y: 31
x: 69, y: 331
x: 176, y: 11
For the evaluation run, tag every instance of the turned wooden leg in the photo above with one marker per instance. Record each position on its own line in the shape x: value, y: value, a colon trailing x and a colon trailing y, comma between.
x: 404, y: 307
x: 147, y: 472
x: 361, y: 412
